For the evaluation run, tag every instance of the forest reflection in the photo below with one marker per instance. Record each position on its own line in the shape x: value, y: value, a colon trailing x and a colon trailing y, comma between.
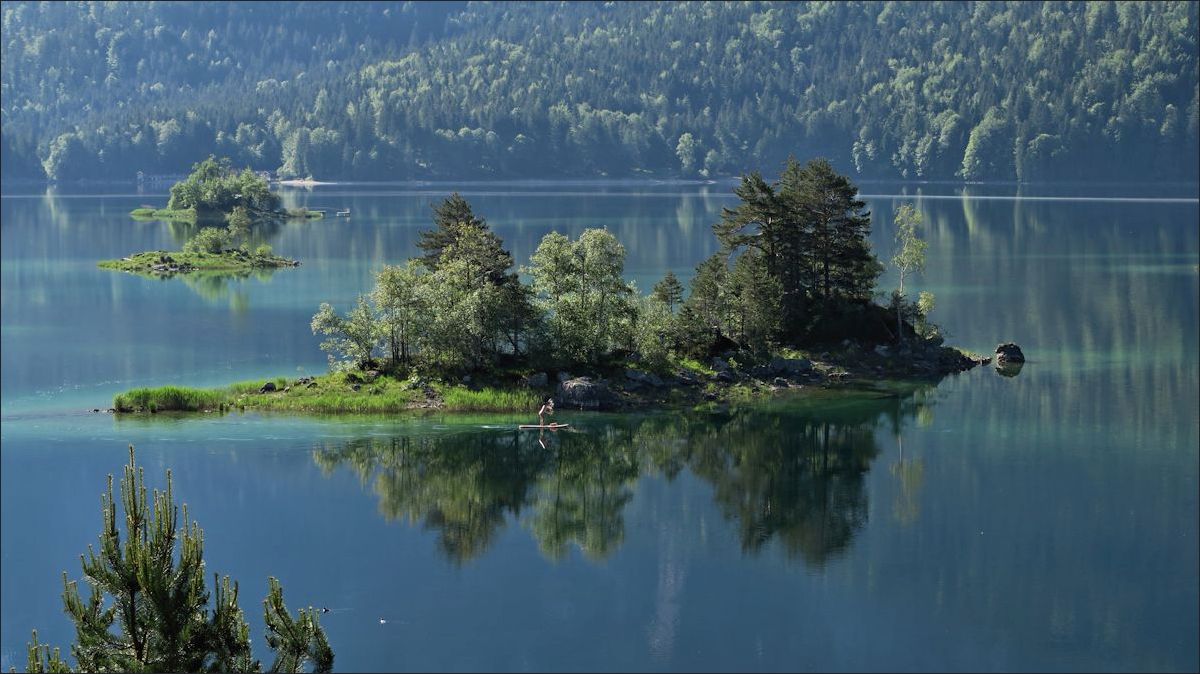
x: 790, y: 471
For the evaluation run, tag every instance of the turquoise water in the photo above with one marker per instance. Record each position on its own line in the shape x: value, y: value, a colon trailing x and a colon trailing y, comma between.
x: 1046, y: 521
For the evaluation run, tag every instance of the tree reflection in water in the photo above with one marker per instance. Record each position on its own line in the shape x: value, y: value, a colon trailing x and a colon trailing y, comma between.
x: 791, y: 471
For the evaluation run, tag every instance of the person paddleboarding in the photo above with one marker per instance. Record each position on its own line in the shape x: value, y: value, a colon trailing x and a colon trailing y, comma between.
x: 547, y: 408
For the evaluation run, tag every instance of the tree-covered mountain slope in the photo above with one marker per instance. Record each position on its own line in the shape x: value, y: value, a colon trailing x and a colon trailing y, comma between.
x: 978, y: 91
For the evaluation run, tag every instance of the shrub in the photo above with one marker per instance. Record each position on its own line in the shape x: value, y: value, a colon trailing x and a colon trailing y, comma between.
x: 207, y: 240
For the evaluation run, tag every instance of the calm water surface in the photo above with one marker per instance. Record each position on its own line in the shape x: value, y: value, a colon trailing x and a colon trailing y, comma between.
x: 1046, y: 521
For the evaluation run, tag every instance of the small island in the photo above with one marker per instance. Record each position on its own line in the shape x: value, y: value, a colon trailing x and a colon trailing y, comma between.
x: 788, y: 303
x: 162, y: 263
x: 214, y: 192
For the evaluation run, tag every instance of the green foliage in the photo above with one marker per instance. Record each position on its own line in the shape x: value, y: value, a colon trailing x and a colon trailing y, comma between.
x: 1087, y: 90
x: 910, y: 248
x: 211, y: 240
x: 448, y: 216
x: 925, y: 305
x: 399, y: 299
x: 909, y: 258
x: 353, y: 338
x: 263, y: 250
x: 160, y: 603
x: 669, y: 291
x: 695, y: 366
x: 704, y: 315
x: 298, y: 643
x: 42, y: 659
x: 214, y: 187
x: 581, y: 289
x: 755, y: 317
x: 239, y: 224
x: 805, y: 257
x: 655, y: 332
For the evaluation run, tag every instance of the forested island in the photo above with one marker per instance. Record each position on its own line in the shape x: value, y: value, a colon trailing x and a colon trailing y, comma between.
x: 788, y: 301
x: 994, y: 91
x: 214, y: 193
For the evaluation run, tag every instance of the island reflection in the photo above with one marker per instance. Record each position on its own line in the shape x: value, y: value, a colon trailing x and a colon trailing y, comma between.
x: 791, y: 471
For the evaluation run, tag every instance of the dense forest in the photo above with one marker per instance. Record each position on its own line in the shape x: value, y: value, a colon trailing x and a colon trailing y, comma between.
x: 974, y: 91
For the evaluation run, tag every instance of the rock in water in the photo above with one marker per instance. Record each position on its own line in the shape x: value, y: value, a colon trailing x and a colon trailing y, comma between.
x: 1009, y: 353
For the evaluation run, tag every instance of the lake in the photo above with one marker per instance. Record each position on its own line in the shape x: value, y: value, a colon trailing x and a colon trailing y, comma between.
x: 1046, y: 521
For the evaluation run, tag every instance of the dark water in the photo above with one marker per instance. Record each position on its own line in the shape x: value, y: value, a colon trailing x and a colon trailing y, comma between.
x: 1046, y: 521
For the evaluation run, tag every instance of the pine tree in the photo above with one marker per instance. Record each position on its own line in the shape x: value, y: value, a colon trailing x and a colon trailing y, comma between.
x: 703, y: 319
x: 756, y: 310
x: 453, y: 211
x: 669, y: 291
x: 161, y: 605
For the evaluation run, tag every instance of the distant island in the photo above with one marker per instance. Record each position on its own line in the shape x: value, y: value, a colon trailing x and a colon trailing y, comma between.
x: 787, y: 303
x: 215, y: 193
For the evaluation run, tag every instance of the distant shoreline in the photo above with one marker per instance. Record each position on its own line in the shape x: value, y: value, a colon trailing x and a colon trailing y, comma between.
x: 302, y: 183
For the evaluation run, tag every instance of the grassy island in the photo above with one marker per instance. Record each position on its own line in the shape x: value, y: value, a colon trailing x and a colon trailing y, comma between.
x: 788, y: 302
x: 163, y: 263
x: 214, y: 192
x: 686, y: 384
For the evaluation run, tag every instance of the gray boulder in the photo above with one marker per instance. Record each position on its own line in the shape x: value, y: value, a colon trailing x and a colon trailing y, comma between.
x: 720, y: 364
x: 584, y: 393
x: 790, y: 366
x: 1009, y: 353
x: 648, y: 378
x: 563, y: 376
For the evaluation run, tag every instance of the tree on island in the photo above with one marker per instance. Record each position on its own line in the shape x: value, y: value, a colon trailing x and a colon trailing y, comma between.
x: 669, y: 291
x: 812, y: 234
x: 215, y: 188
x: 795, y: 270
x: 908, y: 259
x: 160, y: 602
x: 583, y: 294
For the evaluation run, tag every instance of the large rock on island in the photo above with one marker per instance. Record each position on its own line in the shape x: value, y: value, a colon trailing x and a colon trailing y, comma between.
x: 790, y: 366
x: 584, y: 393
x: 1009, y: 353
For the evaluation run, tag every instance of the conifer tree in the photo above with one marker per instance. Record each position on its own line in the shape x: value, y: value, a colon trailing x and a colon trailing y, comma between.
x: 453, y: 211
x: 160, y: 603
x: 669, y: 291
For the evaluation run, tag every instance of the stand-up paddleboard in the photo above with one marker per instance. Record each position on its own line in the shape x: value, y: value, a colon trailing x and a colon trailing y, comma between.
x: 550, y: 426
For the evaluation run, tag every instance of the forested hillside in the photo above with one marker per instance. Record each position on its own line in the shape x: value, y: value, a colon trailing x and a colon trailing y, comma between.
x: 977, y: 91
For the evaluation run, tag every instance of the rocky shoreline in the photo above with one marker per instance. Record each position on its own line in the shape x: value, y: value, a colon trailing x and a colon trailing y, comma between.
x: 636, y: 388
x: 721, y: 381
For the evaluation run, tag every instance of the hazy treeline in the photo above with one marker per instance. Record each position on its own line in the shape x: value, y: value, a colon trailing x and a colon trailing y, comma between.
x: 979, y: 91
